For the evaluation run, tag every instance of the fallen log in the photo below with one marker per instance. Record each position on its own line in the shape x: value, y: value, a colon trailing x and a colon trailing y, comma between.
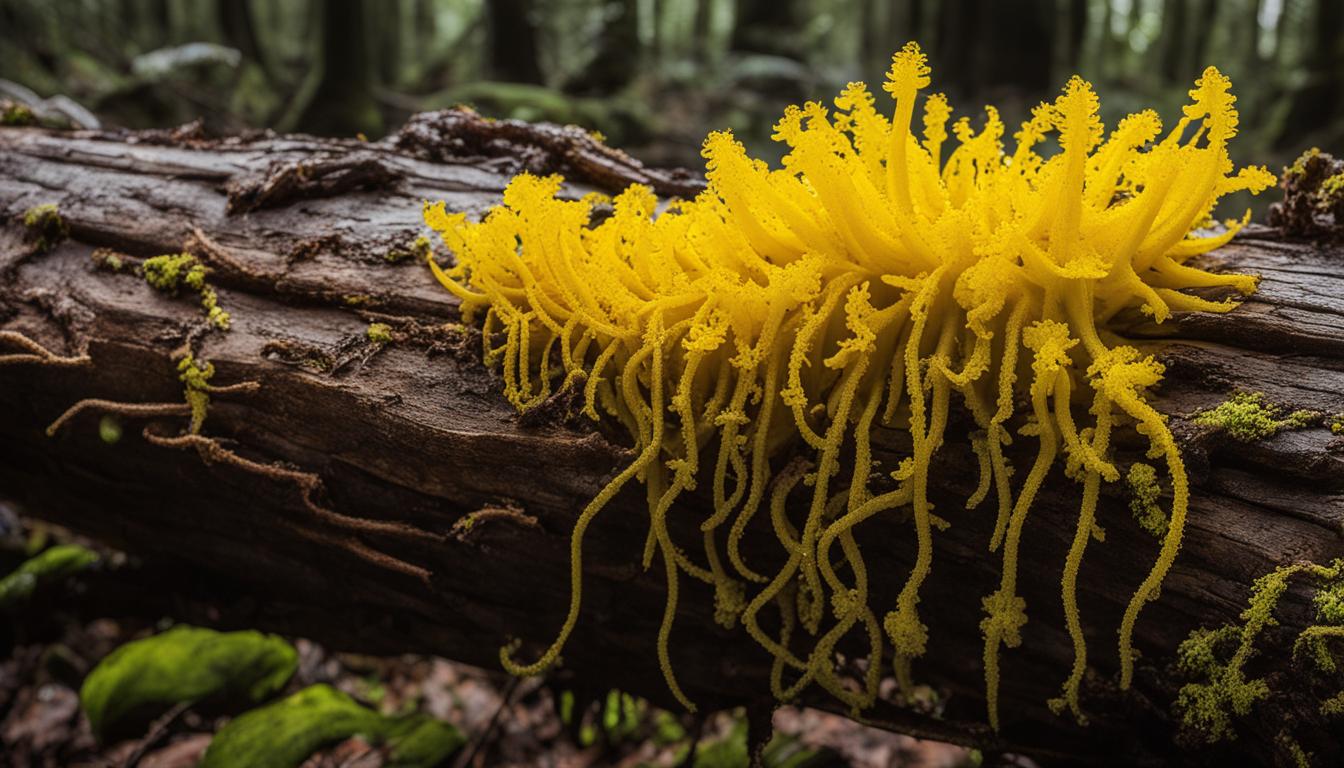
x: 375, y: 491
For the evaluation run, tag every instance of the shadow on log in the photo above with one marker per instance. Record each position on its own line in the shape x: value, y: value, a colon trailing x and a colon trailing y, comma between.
x: 384, y: 497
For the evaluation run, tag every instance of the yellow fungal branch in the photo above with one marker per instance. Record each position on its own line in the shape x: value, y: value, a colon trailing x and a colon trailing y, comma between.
x: 869, y: 280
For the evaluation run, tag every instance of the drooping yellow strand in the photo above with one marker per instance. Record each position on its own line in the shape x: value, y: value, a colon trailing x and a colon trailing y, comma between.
x: 1085, y: 531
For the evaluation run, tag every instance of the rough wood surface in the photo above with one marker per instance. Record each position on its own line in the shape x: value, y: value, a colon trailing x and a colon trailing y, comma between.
x: 332, y: 493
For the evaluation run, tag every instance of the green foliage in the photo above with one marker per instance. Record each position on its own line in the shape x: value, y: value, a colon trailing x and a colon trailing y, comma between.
x: 46, y: 227
x: 184, y: 664
x: 1246, y: 417
x: 283, y: 734
x: 55, y: 563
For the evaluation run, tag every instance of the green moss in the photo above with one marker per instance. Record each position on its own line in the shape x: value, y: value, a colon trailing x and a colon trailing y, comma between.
x: 170, y: 272
x: 1246, y: 417
x: 379, y: 333
x: 213, y: 312
x: 165, y: 273
x: 1293, y: 750
x: 1207, y: 708
x: 46, y: 227
x: 196, y: 376
x: 1330, y: 604
x: 108, y: 259
x: 183, y: 664
x: 1144, y: 492
x: 419, y: 249
x: 16, y: 114
x: 1337, y: 423
x: 1332, y: 191
x: 287, y: 732
x: 1299, y: 166
x: 1216, y: 658
x: 1333, y: 705
x: 55, y: 563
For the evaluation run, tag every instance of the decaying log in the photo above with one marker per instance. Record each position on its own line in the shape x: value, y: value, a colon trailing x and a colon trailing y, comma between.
x: 385, y: 497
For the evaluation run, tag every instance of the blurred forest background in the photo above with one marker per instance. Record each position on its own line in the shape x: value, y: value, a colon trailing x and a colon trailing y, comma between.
x: 654, y: 75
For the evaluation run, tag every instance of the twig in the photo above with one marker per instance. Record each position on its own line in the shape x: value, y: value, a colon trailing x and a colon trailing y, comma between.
x: 157, y: 730
x: 308, y: 484
x: 468, y: 756
x: 37, y: 353
x: 123, y: 409
x: 697, y: 731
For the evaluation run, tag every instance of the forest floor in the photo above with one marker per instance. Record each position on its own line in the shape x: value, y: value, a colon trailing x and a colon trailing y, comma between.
x: 47, y: 646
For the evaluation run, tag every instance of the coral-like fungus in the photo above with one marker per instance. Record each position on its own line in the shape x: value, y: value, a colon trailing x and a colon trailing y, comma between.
x: 865, y: 282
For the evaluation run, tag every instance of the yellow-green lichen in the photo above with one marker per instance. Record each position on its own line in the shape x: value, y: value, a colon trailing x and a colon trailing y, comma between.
x: 1332, y: 191
x: 1316, y: 639
x: 46, y: 227
x: 1330, y: 603
x: 1299, y: 166
x: 1216, y: 658
x: 1337, y: 424
x: 169, y: 272
x: 1293, y: 750
x: 1245, y: 416
x: 1144, y: 492
x: 379, y: 333
x: 419, y: 249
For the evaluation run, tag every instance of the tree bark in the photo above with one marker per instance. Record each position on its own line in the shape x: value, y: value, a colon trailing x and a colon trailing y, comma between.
x: 337, y: 493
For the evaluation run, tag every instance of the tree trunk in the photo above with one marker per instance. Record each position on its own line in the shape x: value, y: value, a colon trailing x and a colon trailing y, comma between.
x: 616, y: 63
x: 386, y: 498
x: 1173, y: 40
x: 336, y: 98
x: 514, y: 53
